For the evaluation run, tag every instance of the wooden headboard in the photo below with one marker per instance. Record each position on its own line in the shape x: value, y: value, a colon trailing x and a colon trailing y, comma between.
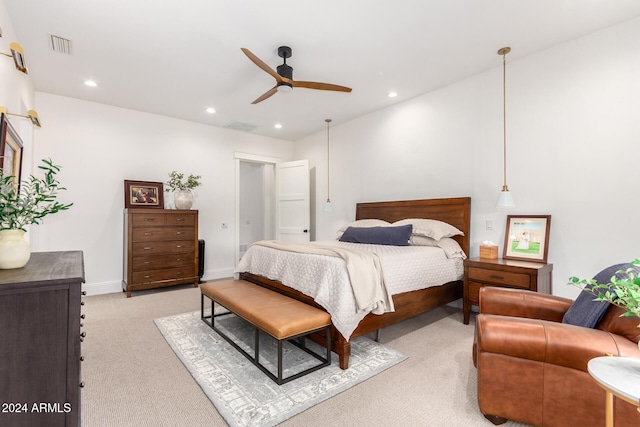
x: 455, y: 211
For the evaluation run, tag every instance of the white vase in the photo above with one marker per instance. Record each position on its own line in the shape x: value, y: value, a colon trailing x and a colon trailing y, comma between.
x: 183, y: 199
x: 15, y: 250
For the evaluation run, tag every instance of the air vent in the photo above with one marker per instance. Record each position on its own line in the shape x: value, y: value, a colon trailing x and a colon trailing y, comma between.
x: 60, y: 45
x: 244, y: 127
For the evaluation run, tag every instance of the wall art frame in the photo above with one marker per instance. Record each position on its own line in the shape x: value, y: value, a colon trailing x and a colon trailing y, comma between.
x: 143, y: 194
x: 10, y: 151
x: 526, y: 238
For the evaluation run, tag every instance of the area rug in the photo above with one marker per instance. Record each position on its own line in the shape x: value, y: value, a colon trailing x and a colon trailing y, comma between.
x: 242, y: 393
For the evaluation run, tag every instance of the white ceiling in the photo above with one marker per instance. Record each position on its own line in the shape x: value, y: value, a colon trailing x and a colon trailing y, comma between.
x: 176, y: 58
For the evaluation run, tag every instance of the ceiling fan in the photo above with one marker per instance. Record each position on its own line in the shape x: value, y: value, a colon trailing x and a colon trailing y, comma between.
x: 284, y: 76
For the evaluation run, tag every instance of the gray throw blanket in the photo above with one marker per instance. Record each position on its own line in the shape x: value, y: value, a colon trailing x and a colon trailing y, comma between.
x: 364, y: 269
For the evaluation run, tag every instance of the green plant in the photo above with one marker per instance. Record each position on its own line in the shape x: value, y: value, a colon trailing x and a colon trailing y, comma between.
x: 176, y: 182
x: 35, y: 199
x: 622, y: 290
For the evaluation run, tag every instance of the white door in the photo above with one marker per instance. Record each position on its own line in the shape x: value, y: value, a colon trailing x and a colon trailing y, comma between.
x: 293, y: 201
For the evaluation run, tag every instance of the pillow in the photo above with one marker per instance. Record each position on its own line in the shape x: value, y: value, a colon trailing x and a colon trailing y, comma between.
x: 451, y: 248
x: 585, y: 311
x: 430, y: 228
x: 364, y: 223
x: 417, y: 240
x: 395, y: 236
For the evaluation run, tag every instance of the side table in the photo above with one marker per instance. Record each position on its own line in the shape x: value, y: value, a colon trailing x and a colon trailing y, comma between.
x: 620, y: 377
x: 479, y: 272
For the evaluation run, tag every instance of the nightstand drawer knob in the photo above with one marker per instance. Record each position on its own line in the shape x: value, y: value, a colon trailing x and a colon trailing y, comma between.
x: 495, y: 276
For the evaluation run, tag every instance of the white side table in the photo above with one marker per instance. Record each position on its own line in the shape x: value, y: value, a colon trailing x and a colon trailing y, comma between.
x: 620, y: 377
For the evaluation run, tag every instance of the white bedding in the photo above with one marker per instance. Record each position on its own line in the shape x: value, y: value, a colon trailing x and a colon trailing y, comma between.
x: 405, y: 268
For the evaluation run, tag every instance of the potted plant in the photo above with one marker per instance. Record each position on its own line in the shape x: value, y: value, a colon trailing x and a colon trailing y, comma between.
x: 23, y: 205
x: 622, y: 290
x: 182, y: 189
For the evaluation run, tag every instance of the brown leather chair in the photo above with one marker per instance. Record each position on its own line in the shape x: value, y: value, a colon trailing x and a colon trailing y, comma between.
x: 533, y: 369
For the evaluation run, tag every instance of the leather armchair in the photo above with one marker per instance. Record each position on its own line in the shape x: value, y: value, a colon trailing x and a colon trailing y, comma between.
x: 533, y: 369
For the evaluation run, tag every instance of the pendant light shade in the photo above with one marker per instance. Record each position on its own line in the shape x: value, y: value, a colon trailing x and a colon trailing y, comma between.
x: 327, y: 206
x: 505, y: 199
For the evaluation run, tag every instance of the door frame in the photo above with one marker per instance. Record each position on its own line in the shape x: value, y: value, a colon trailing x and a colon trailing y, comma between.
x: 252, y: 158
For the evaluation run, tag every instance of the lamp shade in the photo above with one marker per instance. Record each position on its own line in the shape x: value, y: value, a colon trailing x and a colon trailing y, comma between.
x: 505, y: 200
x: 327, y: 206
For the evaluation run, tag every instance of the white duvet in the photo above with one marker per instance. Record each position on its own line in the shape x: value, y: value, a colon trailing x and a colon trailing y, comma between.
x: 325, y: 278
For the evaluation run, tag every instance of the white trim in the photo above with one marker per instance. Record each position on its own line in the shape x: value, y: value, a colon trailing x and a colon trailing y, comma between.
x: 245, y: 157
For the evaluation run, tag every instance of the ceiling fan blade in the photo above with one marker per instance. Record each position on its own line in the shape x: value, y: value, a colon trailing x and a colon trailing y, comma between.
x: 266, y: 95
x: 261, y: 64
x: 320, y: 86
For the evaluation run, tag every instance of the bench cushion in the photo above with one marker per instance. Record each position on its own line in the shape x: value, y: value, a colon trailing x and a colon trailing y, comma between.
x: 276, y: 314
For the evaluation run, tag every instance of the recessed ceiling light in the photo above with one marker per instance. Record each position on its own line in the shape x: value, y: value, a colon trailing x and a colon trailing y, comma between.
x: 211, y: 110
x: 277, y: 126
x: 392, y: 94
x: 91, y: 83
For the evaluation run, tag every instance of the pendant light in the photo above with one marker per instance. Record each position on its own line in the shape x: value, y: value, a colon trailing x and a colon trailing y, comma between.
x: 327, y: 205
x: 505, y: 200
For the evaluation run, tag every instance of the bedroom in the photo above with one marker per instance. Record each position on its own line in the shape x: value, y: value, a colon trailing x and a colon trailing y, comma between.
x: 572, y: 114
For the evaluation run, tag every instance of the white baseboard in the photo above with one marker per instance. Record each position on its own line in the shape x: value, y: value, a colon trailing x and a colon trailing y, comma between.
x: 102, y: 288
x: 116, y: 286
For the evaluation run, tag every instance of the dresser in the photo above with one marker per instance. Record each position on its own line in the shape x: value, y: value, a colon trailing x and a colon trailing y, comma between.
x: 160, y: 248
x: 40, y: 335
x: 479, y: 272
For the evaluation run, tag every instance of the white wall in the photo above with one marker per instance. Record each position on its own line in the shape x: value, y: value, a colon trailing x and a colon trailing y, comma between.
x: 573, y: 135
x: 99, y: 146
x: 16, y: 88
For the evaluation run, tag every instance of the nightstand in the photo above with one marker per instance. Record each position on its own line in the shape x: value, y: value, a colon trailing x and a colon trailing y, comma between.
x: 506, y: 273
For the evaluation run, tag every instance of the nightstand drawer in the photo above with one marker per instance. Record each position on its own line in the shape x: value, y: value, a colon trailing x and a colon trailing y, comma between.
x: 517, y: 280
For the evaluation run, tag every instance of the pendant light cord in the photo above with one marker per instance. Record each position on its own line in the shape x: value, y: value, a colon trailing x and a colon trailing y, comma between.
x: 328, y: 121
x: 504, y: 52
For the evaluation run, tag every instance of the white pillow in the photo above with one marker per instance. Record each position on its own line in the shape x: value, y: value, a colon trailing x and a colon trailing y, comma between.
x: 430, y: 228
x: 451, y: 248
x: 418, y: 240
x: 365, y: 223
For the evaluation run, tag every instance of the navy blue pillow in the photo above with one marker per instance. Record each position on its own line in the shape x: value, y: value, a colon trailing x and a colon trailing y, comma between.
x: 394, y: 236
x: 585, y: 311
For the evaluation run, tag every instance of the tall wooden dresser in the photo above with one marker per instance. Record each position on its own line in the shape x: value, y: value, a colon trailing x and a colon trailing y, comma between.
x: 160, y: 248
x: 40, y: 339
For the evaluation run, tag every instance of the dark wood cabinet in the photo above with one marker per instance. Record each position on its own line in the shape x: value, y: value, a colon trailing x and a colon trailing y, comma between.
x: 479, y: 272
x: 160, y: 248
x: 40, y: 339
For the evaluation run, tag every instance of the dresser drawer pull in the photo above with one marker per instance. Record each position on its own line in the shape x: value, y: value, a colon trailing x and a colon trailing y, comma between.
x: 148, y: 262
x: 179, y: 273
x: 148, y: 234
x: 178, y: 246
x: 179, y: 219
x: 148, y: 277
x: 149, y: 219
x: 179, y: 232
x: 148, y: 248
x: 179, y: 259
x: 493, y: 276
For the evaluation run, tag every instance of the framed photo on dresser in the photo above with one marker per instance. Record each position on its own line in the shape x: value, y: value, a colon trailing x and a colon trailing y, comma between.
x: 143, y: 194
x: 527, y: 238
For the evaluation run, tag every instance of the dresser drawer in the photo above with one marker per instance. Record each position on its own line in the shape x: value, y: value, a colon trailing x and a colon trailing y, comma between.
x: 154, y: 262
x: 176, y: 273
x: 518, y: 280
x: 156, y: 248
x: 156, y: 234
x: 148, y: 220
x: 181, y: 219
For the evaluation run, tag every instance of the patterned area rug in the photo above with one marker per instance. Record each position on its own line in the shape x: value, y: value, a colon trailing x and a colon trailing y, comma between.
x: 242, y: 393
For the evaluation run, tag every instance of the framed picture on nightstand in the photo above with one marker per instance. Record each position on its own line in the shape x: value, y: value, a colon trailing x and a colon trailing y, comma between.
x: 527, y: 238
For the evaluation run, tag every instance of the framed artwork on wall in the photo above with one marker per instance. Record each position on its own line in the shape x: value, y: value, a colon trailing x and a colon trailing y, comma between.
x: 527, y: 237
x: 10, y: 151
x: 143, y: 194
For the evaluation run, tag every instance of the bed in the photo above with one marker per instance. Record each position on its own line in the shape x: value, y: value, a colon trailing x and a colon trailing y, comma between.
x: 454, y: 211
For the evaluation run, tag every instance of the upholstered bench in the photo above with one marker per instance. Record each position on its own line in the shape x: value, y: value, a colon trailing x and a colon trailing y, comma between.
x: 284, y: 318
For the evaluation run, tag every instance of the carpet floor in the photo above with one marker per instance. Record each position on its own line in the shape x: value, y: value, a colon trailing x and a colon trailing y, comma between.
x: 133, y: 378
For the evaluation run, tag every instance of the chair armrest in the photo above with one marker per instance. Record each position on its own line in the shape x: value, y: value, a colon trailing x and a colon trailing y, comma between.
x: 522, y: 303
x: 550, y: 342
